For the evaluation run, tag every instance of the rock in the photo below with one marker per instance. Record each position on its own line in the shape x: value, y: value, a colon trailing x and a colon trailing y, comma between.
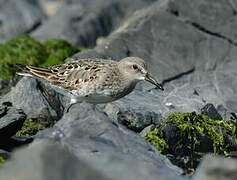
x: 91, y: 53
x: 54, y: 28
x: 215, y: 167
x: 9, y: 144
x: 207, y: 19
x: 196, y: 64
x: 41, y: 154
x: 144, y: 107
x: 108, y: 147
x: 4, y: 84
x: 194, y: 57
x: 11, y: 120
x: 18, y: 17
x: 35, y: 99
x: 84, y: 21
x: 211, y: 112
x: 136, y: 111
x: 146, y: 130
x: 4, y: 154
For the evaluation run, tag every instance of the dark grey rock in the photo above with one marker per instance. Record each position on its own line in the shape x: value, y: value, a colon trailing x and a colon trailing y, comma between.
x: 146, y: 130
x: 91, y: 53
x: 108, y: 147
x: 144, y: 107
x: 41, y: 162
x: 4, y: 84
x: 216, y: 167
x: 194, y: 57
x: 4, y: 154
x: 219, y: 20
x: 9, y: 144
x: 85, y: 21
x: 35, y: 99
x: 54, y: 28
x: 11, y: 121
x: 18, y: 17
x: 196, y: 66
x: 211, y: 112
x: 136, y: 110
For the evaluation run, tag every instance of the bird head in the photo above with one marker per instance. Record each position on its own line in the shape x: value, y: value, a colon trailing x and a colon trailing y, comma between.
x: 135, y: 69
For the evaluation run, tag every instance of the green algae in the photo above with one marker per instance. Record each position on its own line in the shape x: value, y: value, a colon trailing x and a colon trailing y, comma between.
x: 2, y: 161
x: 28, y: 51
x: 154, y: 137
x: 190, y: 126
x: 31, y: 127
x: 186, y: 137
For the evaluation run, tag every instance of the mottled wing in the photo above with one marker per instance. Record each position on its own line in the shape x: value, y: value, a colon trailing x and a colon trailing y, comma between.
x: 70, y: 76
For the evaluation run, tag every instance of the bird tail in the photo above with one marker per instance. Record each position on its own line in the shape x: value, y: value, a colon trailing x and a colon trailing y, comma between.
x: 32, y: 71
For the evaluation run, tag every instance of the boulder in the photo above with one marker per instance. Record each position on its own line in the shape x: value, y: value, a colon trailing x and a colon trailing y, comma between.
x: 196, y: 64
x: 108, y: 147
x: 82, y: 22
x: 11, y: 120
x: 18, y: 17
x: 41, y: 162
x: 89, y: 145
x: 216, y: 167
x: 37, y: 100
x: 211, y: 112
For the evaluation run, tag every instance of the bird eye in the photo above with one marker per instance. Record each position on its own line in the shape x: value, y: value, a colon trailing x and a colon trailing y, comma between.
x: 135, y: 67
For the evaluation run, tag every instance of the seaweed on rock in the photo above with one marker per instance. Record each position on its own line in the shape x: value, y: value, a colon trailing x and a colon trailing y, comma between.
x: 31, y: 127
x: 187, y: 136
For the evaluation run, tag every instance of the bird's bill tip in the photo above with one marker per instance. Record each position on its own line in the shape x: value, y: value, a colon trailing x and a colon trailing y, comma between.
x: 153, y: 81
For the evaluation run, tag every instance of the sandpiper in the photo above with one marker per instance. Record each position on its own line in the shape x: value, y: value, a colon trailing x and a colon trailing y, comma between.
x: 93, y: 80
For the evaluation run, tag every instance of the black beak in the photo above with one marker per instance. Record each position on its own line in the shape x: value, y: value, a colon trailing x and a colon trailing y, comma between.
x: 152, y: 80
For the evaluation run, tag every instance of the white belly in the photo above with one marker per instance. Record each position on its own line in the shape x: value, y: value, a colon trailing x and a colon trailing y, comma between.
x: 100, y: 97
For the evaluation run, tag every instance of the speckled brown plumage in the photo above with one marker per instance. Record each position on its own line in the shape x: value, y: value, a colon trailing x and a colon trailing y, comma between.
x: 94, y: 80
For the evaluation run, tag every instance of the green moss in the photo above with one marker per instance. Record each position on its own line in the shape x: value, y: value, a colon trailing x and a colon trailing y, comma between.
x: 26, y: 50
x: 154, y: 137
x: 2, y: 161
x: 58, y: 51
x: 31, y: 127
x: 190, y: 126
x: 22, y: 50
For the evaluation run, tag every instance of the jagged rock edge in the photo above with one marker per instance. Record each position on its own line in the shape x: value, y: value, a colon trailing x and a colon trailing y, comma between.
x: 201, y: 28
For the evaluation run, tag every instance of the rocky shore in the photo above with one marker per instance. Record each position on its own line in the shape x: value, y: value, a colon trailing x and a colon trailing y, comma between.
x: 190, y: 46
